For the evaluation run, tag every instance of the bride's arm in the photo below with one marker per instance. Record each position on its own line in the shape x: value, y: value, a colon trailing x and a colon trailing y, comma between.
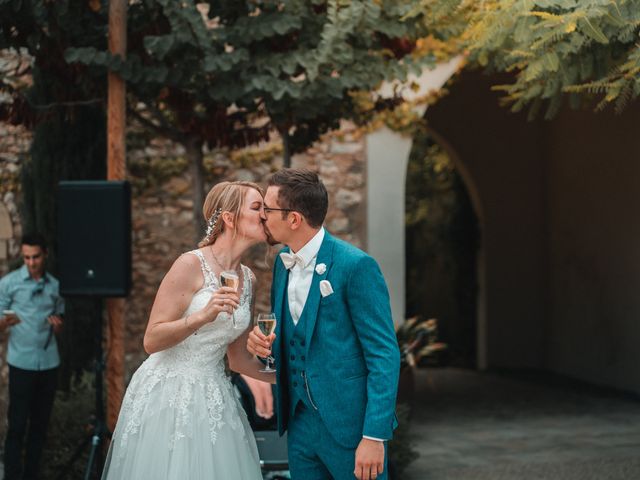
x: 167, y: 326
x: 240, y: 360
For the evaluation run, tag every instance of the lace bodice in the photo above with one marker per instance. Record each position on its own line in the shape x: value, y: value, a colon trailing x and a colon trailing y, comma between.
x: 207, y: 347
x: 191, y: 371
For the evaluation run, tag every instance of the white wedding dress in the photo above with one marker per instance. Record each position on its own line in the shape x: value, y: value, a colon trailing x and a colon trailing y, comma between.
x: 180, y: 418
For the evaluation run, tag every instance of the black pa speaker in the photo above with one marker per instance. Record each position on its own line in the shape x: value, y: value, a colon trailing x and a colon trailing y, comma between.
x: 94, y: 238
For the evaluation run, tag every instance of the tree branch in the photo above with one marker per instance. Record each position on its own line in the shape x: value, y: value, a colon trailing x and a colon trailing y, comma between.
x: 164, y: 130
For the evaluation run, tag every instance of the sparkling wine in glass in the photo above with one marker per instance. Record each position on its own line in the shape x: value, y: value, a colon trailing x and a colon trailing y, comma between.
x: 267, y: 325
x: 229, y: 278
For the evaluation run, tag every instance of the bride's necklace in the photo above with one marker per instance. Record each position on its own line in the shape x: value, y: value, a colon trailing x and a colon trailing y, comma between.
x: 222, y: 268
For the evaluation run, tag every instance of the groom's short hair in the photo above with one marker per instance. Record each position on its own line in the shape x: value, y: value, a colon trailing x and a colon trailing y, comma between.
x: 303, y: 191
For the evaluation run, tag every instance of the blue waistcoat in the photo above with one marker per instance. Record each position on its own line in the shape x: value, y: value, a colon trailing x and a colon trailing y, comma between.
x: 294, y: 342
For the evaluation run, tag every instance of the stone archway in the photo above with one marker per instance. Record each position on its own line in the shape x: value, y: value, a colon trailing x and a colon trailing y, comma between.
x: 387, y: 160
x: 474, y: 195
x: 443, y: 218
x: 387, y: 154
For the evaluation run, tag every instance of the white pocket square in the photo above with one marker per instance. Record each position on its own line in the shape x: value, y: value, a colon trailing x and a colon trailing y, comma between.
x: 325, y: 288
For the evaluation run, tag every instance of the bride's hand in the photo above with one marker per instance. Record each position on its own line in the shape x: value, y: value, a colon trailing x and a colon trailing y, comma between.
x: 225, y: 299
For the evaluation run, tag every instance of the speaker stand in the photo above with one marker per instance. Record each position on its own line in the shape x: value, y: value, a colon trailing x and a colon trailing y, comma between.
x: 98, y: 425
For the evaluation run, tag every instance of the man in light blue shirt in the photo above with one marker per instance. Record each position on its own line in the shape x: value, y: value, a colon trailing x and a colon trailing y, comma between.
x: 31, y: 309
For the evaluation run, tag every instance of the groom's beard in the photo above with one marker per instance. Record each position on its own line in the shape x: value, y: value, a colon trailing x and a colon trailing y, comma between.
x: 270, y: 239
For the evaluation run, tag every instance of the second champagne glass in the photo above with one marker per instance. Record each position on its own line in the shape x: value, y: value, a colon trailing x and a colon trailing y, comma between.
x: 267, y: 325
x: 229, y: 278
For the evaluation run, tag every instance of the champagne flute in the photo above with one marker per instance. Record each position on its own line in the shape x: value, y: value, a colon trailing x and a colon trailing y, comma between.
x: 229, y: 278
x: 267, y: 325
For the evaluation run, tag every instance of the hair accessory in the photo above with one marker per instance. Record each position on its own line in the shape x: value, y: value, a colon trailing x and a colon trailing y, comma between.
x: 211, y: 224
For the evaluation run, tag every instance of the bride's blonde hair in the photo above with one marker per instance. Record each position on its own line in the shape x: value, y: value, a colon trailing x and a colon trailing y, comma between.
x: 224, y: 197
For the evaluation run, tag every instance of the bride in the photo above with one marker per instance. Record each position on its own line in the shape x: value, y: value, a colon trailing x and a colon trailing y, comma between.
x: 180, y: 417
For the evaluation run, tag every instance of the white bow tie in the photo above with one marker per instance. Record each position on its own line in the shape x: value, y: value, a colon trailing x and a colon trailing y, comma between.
x: 290, y: 259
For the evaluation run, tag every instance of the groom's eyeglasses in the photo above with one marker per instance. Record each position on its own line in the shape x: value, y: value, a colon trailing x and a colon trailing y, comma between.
x: 269, y: 209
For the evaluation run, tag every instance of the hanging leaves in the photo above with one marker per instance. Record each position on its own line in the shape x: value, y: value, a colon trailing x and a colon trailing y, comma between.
x: 560, y: 48
x: 555, y: 48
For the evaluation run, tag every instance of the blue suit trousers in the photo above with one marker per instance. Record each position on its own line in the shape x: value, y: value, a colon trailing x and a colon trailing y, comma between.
x: 314, y: 454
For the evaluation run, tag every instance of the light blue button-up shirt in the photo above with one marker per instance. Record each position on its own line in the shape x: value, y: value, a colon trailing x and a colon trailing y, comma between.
x: 33, y: 302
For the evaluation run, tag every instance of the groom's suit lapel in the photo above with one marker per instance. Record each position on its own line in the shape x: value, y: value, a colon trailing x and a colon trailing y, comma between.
x: 280, y: 279
x: 280, y: 286
x: 280, y: 276
x: 325, y: 255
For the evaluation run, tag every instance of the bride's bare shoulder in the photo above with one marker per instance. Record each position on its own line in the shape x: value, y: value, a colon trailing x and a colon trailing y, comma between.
x: 190, y: 256
x: 184, y: 268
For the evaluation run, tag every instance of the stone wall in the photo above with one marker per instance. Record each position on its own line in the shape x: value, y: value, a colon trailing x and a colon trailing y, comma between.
x: 14, y: 145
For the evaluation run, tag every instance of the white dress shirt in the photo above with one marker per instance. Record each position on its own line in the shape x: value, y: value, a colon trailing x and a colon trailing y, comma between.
x: 301, y: 275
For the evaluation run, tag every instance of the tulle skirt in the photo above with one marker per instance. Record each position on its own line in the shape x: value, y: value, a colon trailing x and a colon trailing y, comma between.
x: 181, y: 426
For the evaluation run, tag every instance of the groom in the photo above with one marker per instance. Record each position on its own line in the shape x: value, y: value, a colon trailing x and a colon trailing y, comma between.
x: 335, y: 347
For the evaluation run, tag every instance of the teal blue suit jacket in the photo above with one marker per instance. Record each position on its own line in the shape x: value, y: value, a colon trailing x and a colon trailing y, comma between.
x: 352, y: 356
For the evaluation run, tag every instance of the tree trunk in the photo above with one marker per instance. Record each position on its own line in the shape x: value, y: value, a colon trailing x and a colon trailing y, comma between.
x: 193, y: 147
x: 286, y: 148
x: 116, y: 163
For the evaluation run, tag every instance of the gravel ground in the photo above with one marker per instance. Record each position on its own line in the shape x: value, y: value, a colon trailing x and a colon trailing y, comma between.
x: 469, y: 425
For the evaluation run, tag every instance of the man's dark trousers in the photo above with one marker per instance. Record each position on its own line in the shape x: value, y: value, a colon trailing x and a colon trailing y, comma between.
x: 31, y: 395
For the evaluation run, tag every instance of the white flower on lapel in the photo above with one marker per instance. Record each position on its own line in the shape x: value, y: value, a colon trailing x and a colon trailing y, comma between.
x: 325, y: 288
x: 321, y: 268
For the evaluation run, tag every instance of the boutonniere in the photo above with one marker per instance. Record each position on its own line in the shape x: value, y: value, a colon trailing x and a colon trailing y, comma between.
x: 325, y: 288
x: 321, y: 268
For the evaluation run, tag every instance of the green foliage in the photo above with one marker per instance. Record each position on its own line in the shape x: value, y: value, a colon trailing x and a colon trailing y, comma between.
x: 221, y: 73
x: 225, y: 74
x: 438, y: 176
x: 560, y: 48
x: 63, y: 148
x: 40, y: 32
x: 249, y: 157
x: 147, y: 172
x: 557, y: 50
x: 441, y: 245
x: 446, y: 21
x: 229, y: 72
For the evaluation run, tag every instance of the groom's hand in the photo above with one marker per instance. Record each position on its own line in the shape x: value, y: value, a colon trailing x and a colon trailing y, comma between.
x: 369, y: 459
x: 259, y: 344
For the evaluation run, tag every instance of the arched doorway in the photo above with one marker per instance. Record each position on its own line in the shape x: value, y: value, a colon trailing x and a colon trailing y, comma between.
x: 387, y: 154
x: 441, y: 246
x: 387, y: 159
